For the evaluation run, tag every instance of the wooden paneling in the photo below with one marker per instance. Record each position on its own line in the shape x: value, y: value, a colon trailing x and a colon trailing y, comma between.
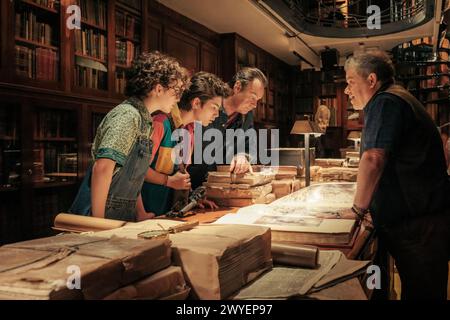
x: 193, y: 44
x: 209, y: 59
x: 2, y: 38
x: 184, y: 48
x: 154, y: 36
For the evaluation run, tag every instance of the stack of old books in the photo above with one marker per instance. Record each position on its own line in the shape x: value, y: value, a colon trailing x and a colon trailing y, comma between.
x: 217, y: 261
x: 287, y: 180
x: 220, y: 260
x: 337, y: 170
x: 230, y: 190
x: 73, y: 266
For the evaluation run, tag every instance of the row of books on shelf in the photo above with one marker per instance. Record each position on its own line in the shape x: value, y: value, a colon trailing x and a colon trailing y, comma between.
x: 329, y: 102
x: 36, y: 63
x: 93, y: 11
x: 327, y: 89
x: 54, y: 158
x: 51, y: 4
x: 120, y: 81
x: 27, y: 27
x: 91, y: 43
x: 54, y: 124
x: 90, y: 78
x: 127, y: 26
x: 126, y: 51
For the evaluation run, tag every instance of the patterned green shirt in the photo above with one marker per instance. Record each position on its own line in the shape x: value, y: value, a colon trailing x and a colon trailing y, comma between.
x: 119, y: 130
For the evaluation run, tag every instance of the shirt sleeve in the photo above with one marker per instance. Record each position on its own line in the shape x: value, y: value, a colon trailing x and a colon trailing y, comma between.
x: 383, y: 123
x: 119, y: 135
x: 157, y: 137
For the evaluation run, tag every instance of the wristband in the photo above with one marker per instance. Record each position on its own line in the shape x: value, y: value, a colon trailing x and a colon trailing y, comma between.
x: 359, y: 212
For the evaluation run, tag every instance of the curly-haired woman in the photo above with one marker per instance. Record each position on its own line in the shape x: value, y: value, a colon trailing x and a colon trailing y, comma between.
x: 122, y: 150
x: 200, y: 102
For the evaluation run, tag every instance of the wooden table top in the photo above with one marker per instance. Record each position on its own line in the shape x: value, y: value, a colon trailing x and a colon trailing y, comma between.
x: 206, y: 215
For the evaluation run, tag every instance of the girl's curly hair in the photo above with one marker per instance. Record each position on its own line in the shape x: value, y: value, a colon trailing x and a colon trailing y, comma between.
x: 152, y: 68
x: 205, y: 86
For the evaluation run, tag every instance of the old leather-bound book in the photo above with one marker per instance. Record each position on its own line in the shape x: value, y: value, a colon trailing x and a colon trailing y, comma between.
x: 251, y: 179
x: 238, y: 191
x: 243, y: 202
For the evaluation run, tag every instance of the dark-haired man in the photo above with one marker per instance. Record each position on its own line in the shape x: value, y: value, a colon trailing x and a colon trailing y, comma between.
x: 236, y: 113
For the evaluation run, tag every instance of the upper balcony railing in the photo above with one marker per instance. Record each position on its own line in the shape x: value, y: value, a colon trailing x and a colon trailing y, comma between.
x: 331, y: 18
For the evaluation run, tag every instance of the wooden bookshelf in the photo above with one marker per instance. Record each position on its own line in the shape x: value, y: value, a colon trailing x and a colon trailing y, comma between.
x: 122, y: 66
x: 93, y: 25
x: 92, y: 46
x: 35, y: 43
x: 56, y: 139
x: 36, y: 36
x: 30, y: 209
x: 134, y: 6
x: 77, y: 54
x: 94, y: 12
x: 426, y: 78
x: 125, y: 38
x: 128, y: 41
x: 39, y: 6
x: 53, y: 184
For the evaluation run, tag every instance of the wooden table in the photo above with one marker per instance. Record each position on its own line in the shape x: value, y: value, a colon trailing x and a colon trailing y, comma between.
x: 208, y: 215
x: 351, y: 251
x: 362, y: 248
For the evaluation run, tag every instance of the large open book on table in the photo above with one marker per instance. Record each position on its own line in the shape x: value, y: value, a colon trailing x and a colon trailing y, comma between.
x: 308, y: 216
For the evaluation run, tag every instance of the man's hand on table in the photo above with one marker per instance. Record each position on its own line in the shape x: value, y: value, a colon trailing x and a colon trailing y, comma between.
x: 240, y: 164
